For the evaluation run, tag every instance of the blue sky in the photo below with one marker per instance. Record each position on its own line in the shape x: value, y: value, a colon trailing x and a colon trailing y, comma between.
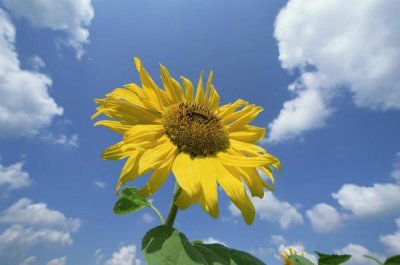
x: 325, y: 73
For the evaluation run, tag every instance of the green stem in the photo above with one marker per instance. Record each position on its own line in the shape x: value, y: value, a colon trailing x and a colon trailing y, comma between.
x: 157, y: 213
x: 173, y: 210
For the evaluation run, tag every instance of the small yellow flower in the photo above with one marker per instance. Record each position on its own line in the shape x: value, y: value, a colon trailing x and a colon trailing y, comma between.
x: 186, y: 131
x: 285, y: 256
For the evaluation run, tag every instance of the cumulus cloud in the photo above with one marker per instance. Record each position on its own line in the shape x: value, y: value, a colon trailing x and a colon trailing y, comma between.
x: 29, y: 261
x: 148, y: 218
x: 57, y: 261
x: 392, y: 241
x: 126, y: 255
x: 24, y: 212
x: 271, y: 209
x: 211, y: 240
x: 25, y: 104
x: 33, y: 224
x: 324, y: 218
x: 277, y: 240
x: 70, y: 16
x: 359, y: 52
x: 99, y: 184
x: 62, y: 139
x: 357, y: 253
x: 36, y: 62
x: 363, y: 201
x: 13, y: 177
x: 396, y: 169
x: 98, y: 255
x: 23, y: 237
x: 308, y: 110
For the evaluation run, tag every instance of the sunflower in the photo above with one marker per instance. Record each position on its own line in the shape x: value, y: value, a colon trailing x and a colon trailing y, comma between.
x: 286, y: 256
x: 186, y: 131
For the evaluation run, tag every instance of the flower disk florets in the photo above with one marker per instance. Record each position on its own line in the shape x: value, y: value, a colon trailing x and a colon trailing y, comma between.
x: 195, y: 129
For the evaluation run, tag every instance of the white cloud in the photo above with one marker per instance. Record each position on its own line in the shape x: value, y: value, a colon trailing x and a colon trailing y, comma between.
x: 32, y: 225
x: 147, y: 218
x: 19, y: 236
x: 357, y: 252
x: 277, y: 240
x: 29, y: 261
x: 36, y: 62
x: 396, y: 169
x: 14, y: 177
x: 24, y: 212
x: 359, y: 52
x: 99, y: 184
x: 211, y: 240
x: 307, y: 111
x: 62, y: 139
x: 271, y: 209
x: 25, y: 104
x: 71, y: 16
x: 324, y: 218
x: 98, y: 255
x: 126, y: 255
x: 392, y: 241
x: 58, y: 261
x: 367, y: 201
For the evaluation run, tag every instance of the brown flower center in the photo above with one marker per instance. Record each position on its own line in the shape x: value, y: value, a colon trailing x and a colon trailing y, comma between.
x: 195, y: 129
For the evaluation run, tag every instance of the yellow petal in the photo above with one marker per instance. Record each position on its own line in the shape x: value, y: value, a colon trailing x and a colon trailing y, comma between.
x: 174, y: 92
x: 159, y: 175
x: 189, y: 89
x: 247, y: 148
x: 208, y: 89
x: 187, y: 173
x: 234, y: 188
x: 214, y: 98
x: 251, y: 177
x: 208, y: 178
x: 116, y: 126
x: 129, y: 171
x: 199, y: 90
x: 184, y: 200
x: 247, y: 133
x: 232, y: 158
x: 228, y: 109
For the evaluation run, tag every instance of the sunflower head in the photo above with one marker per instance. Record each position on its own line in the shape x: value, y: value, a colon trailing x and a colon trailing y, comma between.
x: 286, y: 256
x: 183, y: 130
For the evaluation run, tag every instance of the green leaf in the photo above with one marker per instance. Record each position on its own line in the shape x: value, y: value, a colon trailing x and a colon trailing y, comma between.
x: 129, y: 201
x: 230, y: 255
x: 325, y: 259
x: 395, y: 260
x: 166, y: 245
x: 300, y: 260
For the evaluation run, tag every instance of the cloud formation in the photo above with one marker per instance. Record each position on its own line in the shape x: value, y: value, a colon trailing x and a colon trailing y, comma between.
x: 57, y: 261
x: 324, y: 218
x: 360, y: 53
x: 392, y: 241
x: 271, y: 209
x: 32, y: 224
x: 70, y: 16
x: 126, y: 255
x: 357, y: 252
x: 363, y: 201
x: 13, y: 177
x: 25, y: 104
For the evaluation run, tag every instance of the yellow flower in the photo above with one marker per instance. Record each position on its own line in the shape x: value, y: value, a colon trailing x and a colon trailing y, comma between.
x: 184, y: 130
x: 285, y: 256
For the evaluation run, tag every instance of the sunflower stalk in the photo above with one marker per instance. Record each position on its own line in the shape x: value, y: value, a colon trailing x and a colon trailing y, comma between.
x: 173, y: 210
